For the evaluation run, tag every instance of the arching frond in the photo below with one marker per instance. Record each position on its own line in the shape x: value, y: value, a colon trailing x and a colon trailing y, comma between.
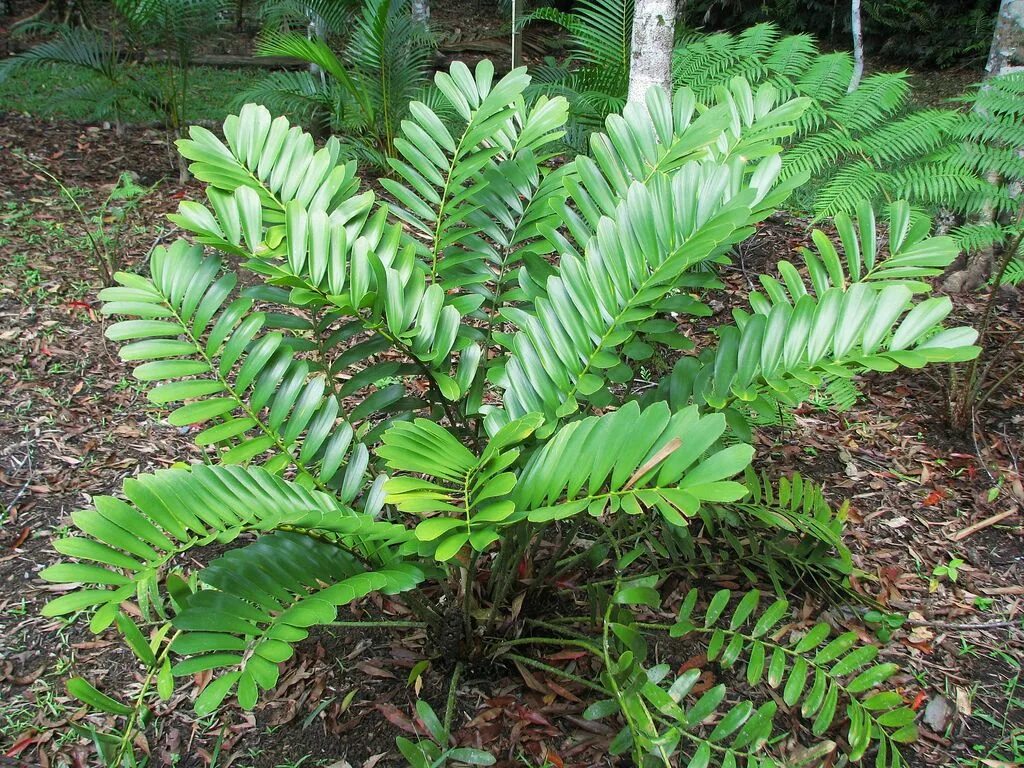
x: 261, y: 600
x: 128, y: 547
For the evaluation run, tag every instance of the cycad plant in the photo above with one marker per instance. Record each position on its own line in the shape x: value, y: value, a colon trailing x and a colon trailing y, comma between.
x: 364, y: 93
x: 438, y: 400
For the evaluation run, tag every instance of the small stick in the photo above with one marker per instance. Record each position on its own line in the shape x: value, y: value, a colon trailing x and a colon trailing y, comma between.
x: 973, y: 529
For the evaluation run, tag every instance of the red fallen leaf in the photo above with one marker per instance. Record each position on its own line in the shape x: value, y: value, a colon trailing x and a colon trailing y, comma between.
x: 932, y: 498
x: 21, y: 537
x: 563, y: 692
x: 24, y: 742
x: 397, y: 718
x: 523, y: 568
x: 705, y: 682
x: 694, y: 662
x: 918, y: 700
x: 374, y: 671
x: 555, y: 759
x: 530, y: 716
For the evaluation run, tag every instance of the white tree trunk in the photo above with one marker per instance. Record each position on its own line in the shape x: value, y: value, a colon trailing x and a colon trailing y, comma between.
x: 650, y: 64
x: 517, y: 33
x: 858, y: 46
x: 1007, y: 52
x: 420, y: 10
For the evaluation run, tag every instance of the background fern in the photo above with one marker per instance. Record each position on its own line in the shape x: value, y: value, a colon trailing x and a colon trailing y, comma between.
x: 870, y: 144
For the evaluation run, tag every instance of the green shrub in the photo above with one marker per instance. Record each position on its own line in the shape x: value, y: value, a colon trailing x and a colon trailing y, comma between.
x: 433, y: 392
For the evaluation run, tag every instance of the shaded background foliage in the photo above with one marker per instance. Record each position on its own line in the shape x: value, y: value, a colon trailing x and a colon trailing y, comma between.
x: 921, y: 32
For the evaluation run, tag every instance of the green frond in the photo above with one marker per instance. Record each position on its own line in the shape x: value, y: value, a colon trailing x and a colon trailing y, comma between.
x: 260, y: 601
x: 840, y: 333
x: 440, y: 174
x: 1014, y: 274
x: 935, y: 183
x: 220, y: 360
x: 827, y: 78
x: 817, y: 153
x: 335, y: 16
x: 911, y: 255
x: 909, y: 137
x: 978, y: 237
x: 465, y: 496
x: 602, y: 34
x: 390, y: 54
x: 813, y: 673
x: 586, y: 318
x: 849, y: 185
x: 1004, y: 162
x: 673, y: 465
x: 878, y: 97
x: 792, y: 55
x: 77, y: 47
x: 275, y: 159
x: 129, y: 547
x: 299, y: 96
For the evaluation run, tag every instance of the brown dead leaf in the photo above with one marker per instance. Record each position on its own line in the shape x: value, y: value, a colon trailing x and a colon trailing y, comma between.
x: 396, y: 717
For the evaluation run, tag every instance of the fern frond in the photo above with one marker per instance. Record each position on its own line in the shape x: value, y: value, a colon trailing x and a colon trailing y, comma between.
x: 909, y: 137
x: 1014, y: 274
x: 298, y: 95
x: 878, y: 97
x: 978, y: 237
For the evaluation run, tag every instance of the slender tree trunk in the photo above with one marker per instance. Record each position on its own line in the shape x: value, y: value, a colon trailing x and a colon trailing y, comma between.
x: 650, y: 61
x: 858, y: 45
x: 420, y: 10
x: 315, y: 30
x: 517, y: 34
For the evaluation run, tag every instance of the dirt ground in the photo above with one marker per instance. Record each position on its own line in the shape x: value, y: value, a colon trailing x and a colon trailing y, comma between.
x: 74, y: 424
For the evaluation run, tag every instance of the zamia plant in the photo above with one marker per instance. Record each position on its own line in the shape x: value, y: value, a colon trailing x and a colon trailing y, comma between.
x: 820, y: 679
x: 439, y: 394
x: 363, y: 94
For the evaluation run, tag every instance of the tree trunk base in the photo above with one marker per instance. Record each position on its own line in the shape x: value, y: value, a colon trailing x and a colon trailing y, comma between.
x: 971, y: 276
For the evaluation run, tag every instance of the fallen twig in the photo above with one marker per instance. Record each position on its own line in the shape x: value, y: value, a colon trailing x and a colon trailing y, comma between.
x: 972, y: 529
